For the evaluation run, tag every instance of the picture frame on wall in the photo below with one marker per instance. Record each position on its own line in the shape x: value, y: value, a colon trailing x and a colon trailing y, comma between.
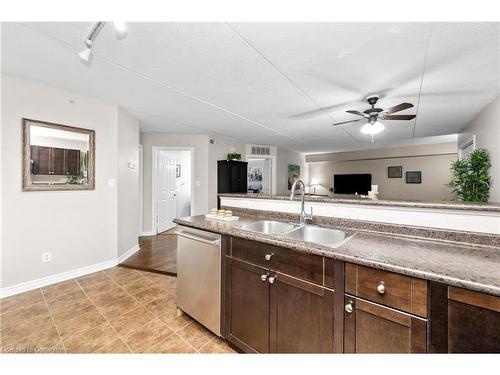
x: 293, y: 174
x: 414, y: 177
x: 395, y: 171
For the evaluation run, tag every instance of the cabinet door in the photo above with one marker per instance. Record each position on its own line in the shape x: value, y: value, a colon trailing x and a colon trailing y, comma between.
x: 473, y: 322
x: 372, y: 328
x: 247, y: 307
x: 41, y: 159
x: 301, y: 316
x: 57, y: 161
x: 72, y: 162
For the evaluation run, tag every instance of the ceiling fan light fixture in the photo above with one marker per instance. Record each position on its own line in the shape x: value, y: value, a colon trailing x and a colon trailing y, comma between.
x: 372, y: 128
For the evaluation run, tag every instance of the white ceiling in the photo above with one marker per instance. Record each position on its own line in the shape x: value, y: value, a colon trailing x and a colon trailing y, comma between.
x: 265, y: 82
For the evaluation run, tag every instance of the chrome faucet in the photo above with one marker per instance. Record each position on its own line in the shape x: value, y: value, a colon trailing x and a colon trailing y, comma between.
x: 304, y: 218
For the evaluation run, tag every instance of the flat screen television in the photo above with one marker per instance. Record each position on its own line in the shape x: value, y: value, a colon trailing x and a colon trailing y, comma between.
x: 352, y: 183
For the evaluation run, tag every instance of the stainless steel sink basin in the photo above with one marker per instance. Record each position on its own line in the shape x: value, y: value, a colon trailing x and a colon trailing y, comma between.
x: 268, y: 227
x: 318, y: 235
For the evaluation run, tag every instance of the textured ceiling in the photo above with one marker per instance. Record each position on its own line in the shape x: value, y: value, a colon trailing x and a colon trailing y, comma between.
x: 272, y: 83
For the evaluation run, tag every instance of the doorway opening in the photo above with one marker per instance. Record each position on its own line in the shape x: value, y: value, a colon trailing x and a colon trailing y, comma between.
x: 260, y: 175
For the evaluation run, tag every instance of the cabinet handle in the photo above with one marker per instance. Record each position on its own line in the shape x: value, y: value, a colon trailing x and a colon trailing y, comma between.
x: 348, y: 307
x: 269, y: 256
x: 264, y: 277
x: 271, y: 279
x: 381, y: 287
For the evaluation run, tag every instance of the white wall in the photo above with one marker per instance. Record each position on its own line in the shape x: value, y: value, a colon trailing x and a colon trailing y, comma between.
x: 218, y: 151
x: 78, y: 227
x: 128, y: 181
x: 200, y: 145
x: 285, y: 157
x: 486, y: 127
x: 433, y: 160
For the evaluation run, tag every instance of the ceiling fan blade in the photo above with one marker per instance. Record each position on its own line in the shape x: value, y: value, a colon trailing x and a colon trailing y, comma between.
x: 398, y: 108
x: 399, y: 117
x: 358, y: 113
x: 346, y: 122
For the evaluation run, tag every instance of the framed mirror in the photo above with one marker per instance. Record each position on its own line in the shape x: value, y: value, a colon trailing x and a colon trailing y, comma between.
x: 57, y: 157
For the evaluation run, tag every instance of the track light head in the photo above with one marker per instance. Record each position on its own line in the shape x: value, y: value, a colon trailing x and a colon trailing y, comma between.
x: 120, y: 29
x: 87, y: 52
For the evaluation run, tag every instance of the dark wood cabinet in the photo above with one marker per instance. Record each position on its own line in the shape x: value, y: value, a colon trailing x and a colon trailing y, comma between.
x: 54, y: 161
x: 247, y: 306
x: 301, y: 316
x: 372, y: 328
x: 473, y: 322
x: 231, y: 176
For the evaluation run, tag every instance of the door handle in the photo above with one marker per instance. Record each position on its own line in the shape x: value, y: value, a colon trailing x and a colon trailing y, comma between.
x: 199, y: 239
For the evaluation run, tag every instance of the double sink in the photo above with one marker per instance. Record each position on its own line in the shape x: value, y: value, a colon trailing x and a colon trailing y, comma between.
x: 308, y: 233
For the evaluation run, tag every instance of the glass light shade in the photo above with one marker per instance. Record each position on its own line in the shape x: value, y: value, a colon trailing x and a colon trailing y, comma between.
x: 85, y: 54
x: 121, y: 29
x: 374, y: 128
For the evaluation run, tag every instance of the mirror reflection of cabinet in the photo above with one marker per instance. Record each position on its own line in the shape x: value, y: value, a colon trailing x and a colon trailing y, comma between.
x: 54, y: 161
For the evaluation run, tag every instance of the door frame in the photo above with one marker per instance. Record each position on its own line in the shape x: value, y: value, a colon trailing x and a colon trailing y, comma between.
x: 154, y: 186
x: 273, y: 168
x: 141, y: 190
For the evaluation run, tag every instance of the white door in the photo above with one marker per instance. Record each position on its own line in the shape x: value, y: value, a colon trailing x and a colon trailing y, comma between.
x: 167, y: 204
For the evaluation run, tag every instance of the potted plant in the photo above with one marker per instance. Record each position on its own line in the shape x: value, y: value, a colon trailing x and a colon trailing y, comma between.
x: 233, y: 156
x: 471, y: 178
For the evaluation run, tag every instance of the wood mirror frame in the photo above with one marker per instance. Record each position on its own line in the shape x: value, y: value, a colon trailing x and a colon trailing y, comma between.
x: 28, y: 184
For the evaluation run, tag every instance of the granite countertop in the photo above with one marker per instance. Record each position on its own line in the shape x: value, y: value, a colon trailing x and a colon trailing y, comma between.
x: 451, y: 205
x: 467, y: 266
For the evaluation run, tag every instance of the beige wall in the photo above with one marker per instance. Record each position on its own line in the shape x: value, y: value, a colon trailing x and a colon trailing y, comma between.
x: 285, y: 157
x: 78, y: 227
x: 433, y: 160
x: 128, y: 181
x: 218, y: 151
x: 486, y: 127
x: 200, y: 145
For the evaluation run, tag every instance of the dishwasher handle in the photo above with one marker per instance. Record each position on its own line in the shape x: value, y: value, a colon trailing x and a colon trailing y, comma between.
x: 199, y: 239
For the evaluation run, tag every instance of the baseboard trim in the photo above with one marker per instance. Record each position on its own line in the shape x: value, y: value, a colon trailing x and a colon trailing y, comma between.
x: 63, y: 276
x: 147, y: 233
x: 129, y: 253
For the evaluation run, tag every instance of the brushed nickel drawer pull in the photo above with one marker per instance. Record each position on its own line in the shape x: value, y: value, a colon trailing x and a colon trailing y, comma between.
x: 269, y: 256
x: 381, y: 287
x: 271, y: 279
x: 264, y: 277
x: 348, y: 307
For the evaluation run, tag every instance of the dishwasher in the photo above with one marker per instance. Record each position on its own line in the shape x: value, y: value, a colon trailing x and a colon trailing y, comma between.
x: 199, y: 276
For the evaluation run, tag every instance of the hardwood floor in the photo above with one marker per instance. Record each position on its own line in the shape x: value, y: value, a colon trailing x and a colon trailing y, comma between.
x: 157, y: 254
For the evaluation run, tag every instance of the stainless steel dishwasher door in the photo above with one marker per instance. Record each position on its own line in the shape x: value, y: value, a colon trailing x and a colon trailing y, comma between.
x: 199, y: 276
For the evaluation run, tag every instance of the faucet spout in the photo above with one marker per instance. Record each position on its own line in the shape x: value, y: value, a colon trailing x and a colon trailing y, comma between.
x: 303, y: 216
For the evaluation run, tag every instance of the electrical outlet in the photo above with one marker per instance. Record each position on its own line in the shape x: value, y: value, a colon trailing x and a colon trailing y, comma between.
x: 47, y: 256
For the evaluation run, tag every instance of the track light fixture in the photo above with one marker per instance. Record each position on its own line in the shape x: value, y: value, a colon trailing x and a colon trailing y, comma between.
x: 121, y: 32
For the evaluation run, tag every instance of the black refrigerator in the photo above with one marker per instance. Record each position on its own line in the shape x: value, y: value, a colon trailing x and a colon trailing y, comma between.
x: 231, y: 177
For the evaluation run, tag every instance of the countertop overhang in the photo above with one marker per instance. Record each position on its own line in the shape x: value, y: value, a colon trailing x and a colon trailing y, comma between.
x: 462, y: 265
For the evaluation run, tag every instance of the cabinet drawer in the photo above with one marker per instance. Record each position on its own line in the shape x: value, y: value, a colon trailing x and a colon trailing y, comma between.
x: 388, y: 288
x: 303, y: 266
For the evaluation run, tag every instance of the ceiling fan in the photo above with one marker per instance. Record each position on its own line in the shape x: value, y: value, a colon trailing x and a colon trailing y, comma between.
x: 374, y: 115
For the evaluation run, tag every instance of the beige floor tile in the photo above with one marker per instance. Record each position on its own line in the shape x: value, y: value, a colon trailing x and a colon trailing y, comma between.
x: 195, y: 334
x: 172, y: 344
x: 23, y: 314
x: 94, y: 278
x: 44, y: 341
x: 108, y: 297
x: 116, y: 347
x: 67, y: 301
x: 173, y: 320
x: 161, y: 305
x: 92, y: 339
x: 138, y: 285
x: 117, y: 308
x: 80, y: 323
x: 100, y: 287
x: 20, y: 300
x: 151, y: 294
x: 123, y: 275
x: 131, y: 320
x: 217, y: 346
x: 147, y: 335
x: 11, y: 335
x: 72, y: 310
x: 55, y: 291
x: 164, y: 281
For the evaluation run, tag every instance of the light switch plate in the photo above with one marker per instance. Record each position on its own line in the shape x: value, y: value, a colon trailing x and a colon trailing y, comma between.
x: 131, y: 165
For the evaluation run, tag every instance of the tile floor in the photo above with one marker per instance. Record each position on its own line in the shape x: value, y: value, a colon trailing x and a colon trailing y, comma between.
x: 118, y: 310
